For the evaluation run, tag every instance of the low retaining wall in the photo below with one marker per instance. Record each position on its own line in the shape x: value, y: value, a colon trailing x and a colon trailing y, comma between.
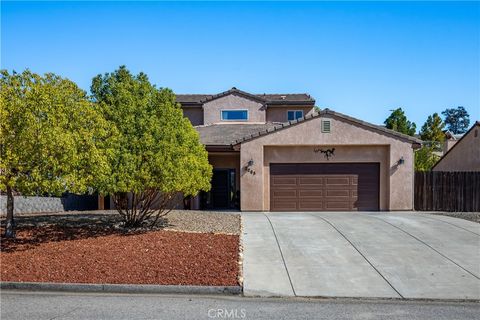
x: 32, y: 204
x: 35, y: 204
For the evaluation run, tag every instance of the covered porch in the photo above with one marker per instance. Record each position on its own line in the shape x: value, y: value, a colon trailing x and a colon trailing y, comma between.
x: 225, y: 191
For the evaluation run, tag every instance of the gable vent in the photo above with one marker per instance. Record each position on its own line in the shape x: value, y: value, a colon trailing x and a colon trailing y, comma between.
x: 326, y: 126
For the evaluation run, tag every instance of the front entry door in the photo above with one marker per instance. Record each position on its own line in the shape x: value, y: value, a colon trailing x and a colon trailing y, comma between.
x: 223, y: 192
x: 220, y: 188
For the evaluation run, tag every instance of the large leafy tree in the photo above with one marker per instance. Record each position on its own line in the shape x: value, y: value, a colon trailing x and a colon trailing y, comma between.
x: 398, y: 121
x: 52, y: 140
x: 432, y: 130
x: 158, y: 153
x: 457, y: 120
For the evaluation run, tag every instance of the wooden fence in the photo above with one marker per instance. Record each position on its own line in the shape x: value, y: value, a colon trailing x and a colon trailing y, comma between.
x: 447, y: 191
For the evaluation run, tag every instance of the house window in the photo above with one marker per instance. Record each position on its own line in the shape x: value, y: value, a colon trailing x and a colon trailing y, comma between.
x: 234, y: 115
x: 294, y: 114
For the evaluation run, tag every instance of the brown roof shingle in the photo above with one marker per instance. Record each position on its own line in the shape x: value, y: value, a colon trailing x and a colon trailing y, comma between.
x: 233, y: 134
x: 324, y: 112
x: 269, y: 99
x: 227, y: 134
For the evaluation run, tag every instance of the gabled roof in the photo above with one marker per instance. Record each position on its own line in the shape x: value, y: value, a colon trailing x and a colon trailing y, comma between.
x: 267, y: 99
x: 236, y: 92
x: 324, y: 112
x: 476, y: 124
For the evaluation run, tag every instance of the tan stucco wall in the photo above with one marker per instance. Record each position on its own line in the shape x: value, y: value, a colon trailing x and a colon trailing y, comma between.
x: 353, y: 143
x: 212, y: 109
x: 279, y: 114
x: 465, y: 156
x: 223, y: 160
x: 194, y: 114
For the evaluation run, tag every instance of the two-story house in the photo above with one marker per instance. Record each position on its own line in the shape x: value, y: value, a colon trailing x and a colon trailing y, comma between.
x: 276, y: 152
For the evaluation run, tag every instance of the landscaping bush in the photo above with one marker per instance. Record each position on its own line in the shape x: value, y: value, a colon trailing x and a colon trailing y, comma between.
x: 157, y: 153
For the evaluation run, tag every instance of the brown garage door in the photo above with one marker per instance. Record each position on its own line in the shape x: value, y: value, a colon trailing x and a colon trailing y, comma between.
x: 324, y: 187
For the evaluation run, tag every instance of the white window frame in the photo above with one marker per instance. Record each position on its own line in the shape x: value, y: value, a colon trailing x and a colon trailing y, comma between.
x: 221, y: 114
x: 294, y: 113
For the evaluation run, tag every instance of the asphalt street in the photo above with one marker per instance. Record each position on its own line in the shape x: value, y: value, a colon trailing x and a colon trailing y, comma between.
x: 42, y: 305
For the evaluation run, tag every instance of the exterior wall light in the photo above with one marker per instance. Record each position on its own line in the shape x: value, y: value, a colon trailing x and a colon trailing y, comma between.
x: 401, y: 161
x: 248, y: 169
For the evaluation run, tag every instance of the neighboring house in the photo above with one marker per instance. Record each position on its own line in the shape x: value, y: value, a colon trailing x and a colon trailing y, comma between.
x: 274, y: 152
x: 442, y: 148
x: 464, y: 154
x: 450, y: 140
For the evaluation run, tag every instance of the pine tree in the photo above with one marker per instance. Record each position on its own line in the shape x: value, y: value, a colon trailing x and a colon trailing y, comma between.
x: 432, y: 131
x: 398, y: 121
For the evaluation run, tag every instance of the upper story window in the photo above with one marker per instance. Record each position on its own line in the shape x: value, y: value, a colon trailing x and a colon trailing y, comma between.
x: 234, y: 115
x: 294, y: 114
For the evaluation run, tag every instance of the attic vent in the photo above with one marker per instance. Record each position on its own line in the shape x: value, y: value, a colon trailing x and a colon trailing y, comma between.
x: 326, y: 126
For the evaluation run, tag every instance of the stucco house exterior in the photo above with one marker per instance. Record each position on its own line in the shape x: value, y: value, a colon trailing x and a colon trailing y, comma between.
x: 463, y: 154
x: 276, y: 152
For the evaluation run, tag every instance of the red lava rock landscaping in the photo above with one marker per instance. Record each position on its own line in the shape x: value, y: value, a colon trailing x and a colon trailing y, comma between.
x: 72, y: 255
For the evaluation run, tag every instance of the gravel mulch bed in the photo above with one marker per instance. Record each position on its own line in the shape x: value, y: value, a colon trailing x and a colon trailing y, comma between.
x: 204, y: 221
x: 87, y: 248
x: 471, y: 216
x: 178, y: 220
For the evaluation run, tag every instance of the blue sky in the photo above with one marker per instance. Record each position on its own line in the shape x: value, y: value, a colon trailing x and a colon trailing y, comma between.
x: 362, y: 59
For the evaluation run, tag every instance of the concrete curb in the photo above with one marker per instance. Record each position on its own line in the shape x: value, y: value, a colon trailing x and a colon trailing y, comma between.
x: 120, y: 288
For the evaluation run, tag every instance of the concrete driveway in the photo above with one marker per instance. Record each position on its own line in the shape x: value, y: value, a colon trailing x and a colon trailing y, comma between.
x: 384, y: 255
